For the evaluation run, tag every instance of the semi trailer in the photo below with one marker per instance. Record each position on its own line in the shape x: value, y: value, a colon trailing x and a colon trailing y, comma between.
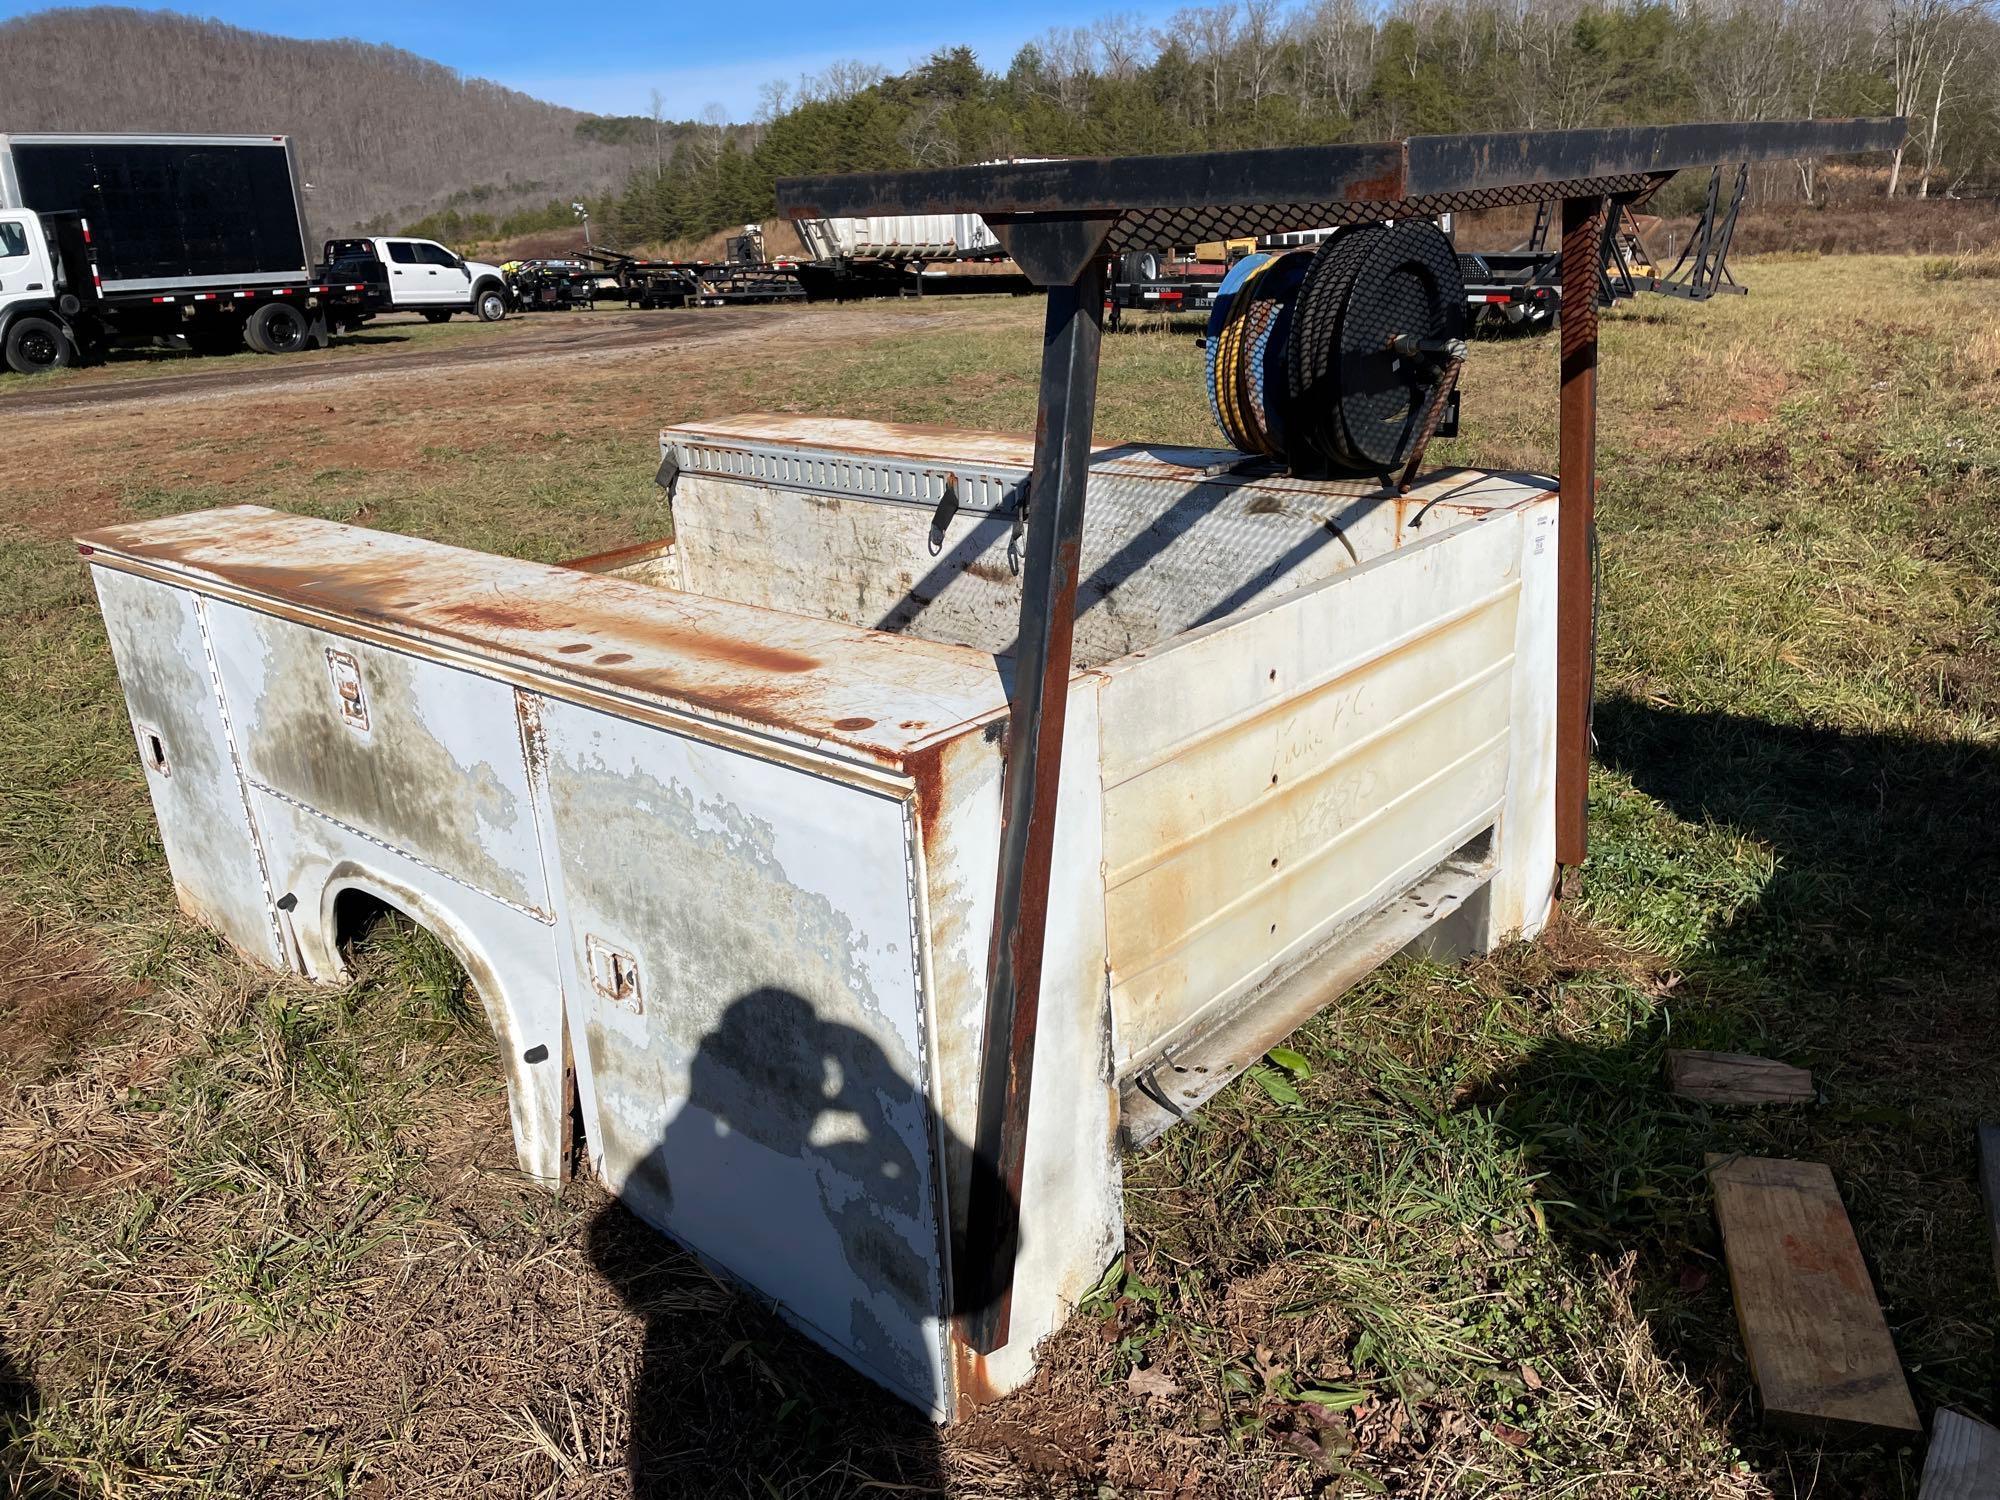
x: 902, y: 255
x: 128, y: 239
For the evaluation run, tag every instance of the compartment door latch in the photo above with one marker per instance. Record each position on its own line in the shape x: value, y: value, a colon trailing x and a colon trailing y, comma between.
x: 346, y: 674
x: 947, y: 508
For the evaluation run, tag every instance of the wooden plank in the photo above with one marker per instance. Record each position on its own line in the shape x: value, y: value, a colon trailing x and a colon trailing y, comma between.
x: 1736, y: 1078
x: 1819, y: 1347
x: 1964, y: 1459
x: 1989, y: 1187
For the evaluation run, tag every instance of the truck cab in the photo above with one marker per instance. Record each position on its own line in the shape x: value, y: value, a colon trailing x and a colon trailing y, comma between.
x: 421, y: 276
x: 37, y: 298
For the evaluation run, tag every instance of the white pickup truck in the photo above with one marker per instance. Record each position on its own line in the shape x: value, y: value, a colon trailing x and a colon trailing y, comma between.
x: 420, y: 276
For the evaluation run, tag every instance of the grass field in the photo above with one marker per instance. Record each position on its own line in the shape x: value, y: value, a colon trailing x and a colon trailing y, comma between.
x: 262, y: 1238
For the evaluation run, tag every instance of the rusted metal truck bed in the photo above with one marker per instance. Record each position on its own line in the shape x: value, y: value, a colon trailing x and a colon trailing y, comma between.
x: 713, y: 820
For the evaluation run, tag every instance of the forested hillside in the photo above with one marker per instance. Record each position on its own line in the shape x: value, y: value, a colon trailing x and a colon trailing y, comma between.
x: 1256, y: 72
x: 386, y: 137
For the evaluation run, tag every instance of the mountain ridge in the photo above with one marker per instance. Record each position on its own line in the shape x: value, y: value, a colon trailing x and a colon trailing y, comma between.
x: 350, y: 106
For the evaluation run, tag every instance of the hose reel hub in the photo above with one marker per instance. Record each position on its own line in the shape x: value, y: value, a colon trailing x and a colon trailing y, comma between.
x: 1339, y: 359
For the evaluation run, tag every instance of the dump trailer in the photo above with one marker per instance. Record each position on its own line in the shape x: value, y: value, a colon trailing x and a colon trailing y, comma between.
x: 127, y: 239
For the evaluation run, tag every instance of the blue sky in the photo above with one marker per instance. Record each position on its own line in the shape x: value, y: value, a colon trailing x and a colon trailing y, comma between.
x: 607, y: 55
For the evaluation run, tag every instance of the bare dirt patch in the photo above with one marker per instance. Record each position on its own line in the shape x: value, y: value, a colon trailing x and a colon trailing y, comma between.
x: 57, y: 999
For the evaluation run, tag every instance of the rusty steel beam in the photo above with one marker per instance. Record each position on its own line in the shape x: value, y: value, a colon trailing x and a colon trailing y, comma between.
x: 1576, y: 467
x: 1508, y: 158
x: 1380, y: 172
x: 1078, y: 184
x: 1072, y: 333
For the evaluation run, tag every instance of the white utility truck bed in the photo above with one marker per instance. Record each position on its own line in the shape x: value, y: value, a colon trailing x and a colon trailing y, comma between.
x: 714, y: 821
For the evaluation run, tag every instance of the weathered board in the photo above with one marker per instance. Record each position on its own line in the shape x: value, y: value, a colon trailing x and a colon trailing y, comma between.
x: 1736, y: 1078
x: 1964, y: 1460
x: 1819, y: 1348
x: 1989, y: 1187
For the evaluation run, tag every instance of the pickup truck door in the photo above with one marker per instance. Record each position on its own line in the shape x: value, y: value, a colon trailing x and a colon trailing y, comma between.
x: 446, y: 278
x: 26, y: 272
x: 411, y: 282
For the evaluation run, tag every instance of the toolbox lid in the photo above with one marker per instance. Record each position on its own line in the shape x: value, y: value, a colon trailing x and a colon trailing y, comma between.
x: 911, y: 462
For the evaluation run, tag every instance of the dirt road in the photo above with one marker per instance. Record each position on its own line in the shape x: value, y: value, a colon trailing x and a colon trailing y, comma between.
x: 519, y: 340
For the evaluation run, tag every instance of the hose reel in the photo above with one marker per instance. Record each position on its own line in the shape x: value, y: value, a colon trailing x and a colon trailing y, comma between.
x: 1341, y: 359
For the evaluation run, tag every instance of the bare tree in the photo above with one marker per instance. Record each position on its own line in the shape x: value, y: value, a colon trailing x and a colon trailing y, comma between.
x: 1257, y: 47
x: 1209, y: 34
x: 1068, y: 63
x: 774, y: 98
x: 1926, y: 39
x: 657, y: 116
x: 1123, y: 43
x: 1338, y: 40
x: 1826, y: 37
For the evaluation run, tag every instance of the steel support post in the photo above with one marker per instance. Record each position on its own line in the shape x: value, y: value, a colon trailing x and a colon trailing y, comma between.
x: 1576, y: 458
x: 984, y: 1268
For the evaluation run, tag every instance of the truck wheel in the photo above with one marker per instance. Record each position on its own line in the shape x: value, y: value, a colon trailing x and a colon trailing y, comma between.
x: 36, y: 346
x: 1138, y: 265
x: 491, y: 305
x: 437, y: 315
x: 277, y: 328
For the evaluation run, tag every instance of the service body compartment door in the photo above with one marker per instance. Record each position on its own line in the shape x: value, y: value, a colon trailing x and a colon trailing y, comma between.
x: 424, y: 758
x: 157, y: 638
x: 749, y: 1025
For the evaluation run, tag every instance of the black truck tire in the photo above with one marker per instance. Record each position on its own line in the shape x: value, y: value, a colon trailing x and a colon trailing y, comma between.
x: 277, y: 328
x: 36, y: 346
x: 490, y: 302
x: 1139, y: 266
x: 437, y: 315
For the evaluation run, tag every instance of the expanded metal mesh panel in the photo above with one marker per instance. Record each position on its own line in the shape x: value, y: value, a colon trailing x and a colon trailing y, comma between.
x: 1154, y: 228
x: 1172, y: 539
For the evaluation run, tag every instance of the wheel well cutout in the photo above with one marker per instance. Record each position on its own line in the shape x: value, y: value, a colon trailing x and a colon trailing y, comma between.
x: 378, y: 940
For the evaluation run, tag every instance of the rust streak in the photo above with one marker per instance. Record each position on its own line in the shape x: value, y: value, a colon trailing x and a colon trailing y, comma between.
x: 972, y: 1385
x: 617, y: 557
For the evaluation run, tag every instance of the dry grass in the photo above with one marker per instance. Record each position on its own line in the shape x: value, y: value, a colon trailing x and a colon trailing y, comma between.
x: 258, y: 1237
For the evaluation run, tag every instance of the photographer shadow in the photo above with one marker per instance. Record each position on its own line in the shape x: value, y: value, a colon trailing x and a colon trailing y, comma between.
x: 730, y: 1396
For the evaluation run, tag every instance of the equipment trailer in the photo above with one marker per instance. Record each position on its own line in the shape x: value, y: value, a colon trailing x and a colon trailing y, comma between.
x: 1523, y: 286
x: 131, y: 239
x: 1141, y: 282
x: 656, y: 283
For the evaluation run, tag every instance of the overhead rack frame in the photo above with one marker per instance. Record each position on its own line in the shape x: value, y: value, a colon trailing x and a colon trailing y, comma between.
x: 1060, y: 220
